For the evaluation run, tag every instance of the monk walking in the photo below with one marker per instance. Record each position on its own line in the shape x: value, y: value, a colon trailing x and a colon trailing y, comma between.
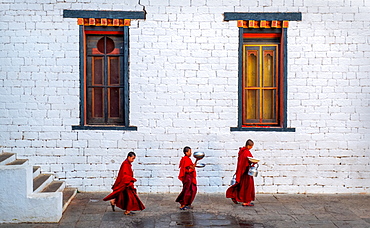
x: 189, y: 181
x: 243, y: 190
x: 124, y: 193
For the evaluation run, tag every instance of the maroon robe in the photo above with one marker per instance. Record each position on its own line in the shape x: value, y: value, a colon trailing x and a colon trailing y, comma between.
x: 124, y: 191
x: 243, y: 189
x: 189, y: 182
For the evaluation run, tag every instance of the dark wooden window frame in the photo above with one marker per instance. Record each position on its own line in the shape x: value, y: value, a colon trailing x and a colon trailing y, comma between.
x: 228, y: 16
x: 104, y: 14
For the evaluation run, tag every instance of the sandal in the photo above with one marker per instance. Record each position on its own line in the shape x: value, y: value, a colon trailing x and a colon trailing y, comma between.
x: 248, y: 205
x: 184, y: 208
x: 130, y: 213
x: 112, y: 205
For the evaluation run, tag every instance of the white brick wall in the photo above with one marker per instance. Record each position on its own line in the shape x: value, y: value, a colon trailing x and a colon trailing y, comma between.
x: 183, y: 78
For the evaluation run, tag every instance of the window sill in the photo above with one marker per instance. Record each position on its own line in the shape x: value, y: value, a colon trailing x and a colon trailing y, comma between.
x: 119, y: 128
x: 278, y: 129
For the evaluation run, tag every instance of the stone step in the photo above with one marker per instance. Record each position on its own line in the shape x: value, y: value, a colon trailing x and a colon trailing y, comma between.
x: 54, y: 186
x: 68, y: 195
x: 46, y: 190
x: 6, y: 158
x: 36, y: 171
x: 18, y: 162
x: 41, y: 181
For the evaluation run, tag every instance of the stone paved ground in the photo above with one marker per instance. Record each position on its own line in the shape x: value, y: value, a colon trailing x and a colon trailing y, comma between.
x: 214, y: 210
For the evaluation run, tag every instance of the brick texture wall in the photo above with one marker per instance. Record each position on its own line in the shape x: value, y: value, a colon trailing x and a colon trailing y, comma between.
x: 183, y: 91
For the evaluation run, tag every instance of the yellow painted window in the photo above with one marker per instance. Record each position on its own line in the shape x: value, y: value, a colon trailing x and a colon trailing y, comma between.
x: 260, y: 91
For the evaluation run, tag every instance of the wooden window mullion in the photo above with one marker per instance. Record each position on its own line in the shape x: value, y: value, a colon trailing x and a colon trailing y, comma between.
x: 106, y: 100
x: 260, y: 88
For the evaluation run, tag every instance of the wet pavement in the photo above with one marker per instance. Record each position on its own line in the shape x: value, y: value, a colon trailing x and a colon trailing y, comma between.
x: 214, y: 210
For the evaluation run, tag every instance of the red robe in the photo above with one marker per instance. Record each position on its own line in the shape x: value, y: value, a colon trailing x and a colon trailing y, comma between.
x: 124, y: 191
x: 189, y: 181
x: 243, y: 189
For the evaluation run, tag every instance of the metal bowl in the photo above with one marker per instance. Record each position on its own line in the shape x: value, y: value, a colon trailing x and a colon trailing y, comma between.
x: 254, y: 160
x: 199, y: 155
x: 200, y: 165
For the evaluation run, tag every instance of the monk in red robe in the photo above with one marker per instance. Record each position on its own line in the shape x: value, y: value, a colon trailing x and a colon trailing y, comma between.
x: 189, y: 181
x: 124, y: 193
x: 243, y: 190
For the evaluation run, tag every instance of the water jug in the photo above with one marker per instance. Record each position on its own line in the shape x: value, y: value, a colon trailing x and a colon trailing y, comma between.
x: 253, y: 171
x: 233, y: 180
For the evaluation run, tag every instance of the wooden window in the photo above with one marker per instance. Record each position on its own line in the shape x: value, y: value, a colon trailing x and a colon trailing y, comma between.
x: 260, y: 84
x: 262, y: 99
x: 104, y: 78
x: 104, y: 53
x: 262, y: 70
x: 104, y: 68
x: 262, y: 80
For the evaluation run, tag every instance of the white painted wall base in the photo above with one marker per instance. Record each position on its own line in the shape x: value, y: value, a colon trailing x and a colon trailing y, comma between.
x: 20, y: 204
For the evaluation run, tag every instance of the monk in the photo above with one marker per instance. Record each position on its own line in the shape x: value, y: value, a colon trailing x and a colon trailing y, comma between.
x: 124, y: 193
x: 243, y: 190
x: 189, y: 181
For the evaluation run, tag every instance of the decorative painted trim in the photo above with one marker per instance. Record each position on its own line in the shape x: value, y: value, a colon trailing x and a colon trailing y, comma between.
x: 104, y: 14
x: 235, y: 16
x: 103, y: 22
x: 285, y: 24
x: 262, y: 24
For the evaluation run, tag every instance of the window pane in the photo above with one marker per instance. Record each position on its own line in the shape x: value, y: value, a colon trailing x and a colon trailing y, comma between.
x: 97, y: 102
x: 92, y: 45
x: 98, y: 70
x: 268, y: 106
x: 116, y: 46
x: 251, y: 68
x: 251, y: 104
x: 109, y: 45
x: 113, y: 70
x: 114, y: 102
x: 268, y: 69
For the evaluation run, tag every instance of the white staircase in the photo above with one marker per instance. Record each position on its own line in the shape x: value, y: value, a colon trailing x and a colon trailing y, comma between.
x: 27, y: 195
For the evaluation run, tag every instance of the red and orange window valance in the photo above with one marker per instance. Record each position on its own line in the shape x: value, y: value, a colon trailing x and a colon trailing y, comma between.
x: 103, y: 22
x: 263, y: 24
